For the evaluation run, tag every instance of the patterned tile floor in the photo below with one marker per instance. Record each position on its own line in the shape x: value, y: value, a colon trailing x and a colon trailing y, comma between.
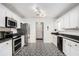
x: 40, y: 49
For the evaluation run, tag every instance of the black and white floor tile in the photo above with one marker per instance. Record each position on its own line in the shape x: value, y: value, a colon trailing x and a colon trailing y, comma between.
x: 40, y: 49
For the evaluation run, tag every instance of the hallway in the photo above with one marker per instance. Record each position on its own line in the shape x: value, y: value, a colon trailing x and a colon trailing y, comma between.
x: 40, y: 49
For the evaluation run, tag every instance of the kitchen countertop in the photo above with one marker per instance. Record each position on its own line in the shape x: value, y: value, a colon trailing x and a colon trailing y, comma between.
x: 11, y: 37
x: 5, y: 39
x: 74, y: 38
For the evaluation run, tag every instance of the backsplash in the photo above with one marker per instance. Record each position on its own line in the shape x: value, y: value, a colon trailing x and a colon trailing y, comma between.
x: 5, y: 29
x: 72, y: 32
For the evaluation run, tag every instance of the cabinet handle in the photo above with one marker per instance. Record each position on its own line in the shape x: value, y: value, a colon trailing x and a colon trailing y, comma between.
x: 75, y: 44
x: 76, y: 27
x: 7, y: 43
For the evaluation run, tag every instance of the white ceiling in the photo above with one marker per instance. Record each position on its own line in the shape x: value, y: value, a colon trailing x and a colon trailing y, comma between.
x: 53, y: 10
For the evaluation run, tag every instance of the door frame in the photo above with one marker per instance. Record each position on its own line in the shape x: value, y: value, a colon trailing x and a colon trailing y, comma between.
x: 42, y: 30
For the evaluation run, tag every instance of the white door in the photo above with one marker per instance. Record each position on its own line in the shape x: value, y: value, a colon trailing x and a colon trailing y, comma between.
x: 39, y: 30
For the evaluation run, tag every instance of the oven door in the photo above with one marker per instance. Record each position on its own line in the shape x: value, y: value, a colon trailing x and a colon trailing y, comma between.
x: 16, y: 45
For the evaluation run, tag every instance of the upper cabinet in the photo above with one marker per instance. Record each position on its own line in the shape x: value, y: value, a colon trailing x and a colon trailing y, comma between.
x: 74, y: 18
x: 2, y: 16
x: 6, y: 12
x: 70, y: 20
x: 66, y: 21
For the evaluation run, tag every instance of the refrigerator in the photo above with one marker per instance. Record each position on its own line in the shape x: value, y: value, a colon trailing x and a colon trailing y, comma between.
x: 25, y: 27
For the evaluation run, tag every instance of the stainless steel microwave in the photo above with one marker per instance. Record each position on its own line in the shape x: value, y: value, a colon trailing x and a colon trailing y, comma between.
x: 10, y: 22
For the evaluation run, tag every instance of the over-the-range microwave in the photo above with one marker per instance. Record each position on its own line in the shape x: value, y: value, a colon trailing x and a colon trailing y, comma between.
x: 10, y: 22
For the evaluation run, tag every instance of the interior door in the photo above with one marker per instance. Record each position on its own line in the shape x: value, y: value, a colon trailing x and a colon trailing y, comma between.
x: 39, y: 30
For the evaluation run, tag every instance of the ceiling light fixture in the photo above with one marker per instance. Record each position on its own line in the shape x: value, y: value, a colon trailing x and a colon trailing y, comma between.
x: 39, y: 12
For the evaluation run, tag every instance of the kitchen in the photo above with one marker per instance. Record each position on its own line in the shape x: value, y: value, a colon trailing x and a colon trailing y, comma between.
x: 18, y: 28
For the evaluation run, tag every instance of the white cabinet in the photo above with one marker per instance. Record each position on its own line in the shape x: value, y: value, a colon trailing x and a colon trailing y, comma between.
x: 6, y: 48
x: 66, y: 21
x: 2, y: 16
x: 59, y: 25
x: 66, y: 47
x: 22, y: 38
x: 70, y: 48
x: 62, y: 23
x: 74, y: 49
x: 54, y: 40
x: 74, y: 18
x: 70, y: 20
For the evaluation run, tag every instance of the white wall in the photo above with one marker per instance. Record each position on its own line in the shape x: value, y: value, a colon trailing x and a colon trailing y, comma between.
x: 47, y: 33
x: 6, y: 12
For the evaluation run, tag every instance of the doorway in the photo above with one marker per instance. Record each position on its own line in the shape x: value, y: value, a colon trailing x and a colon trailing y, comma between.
x: 39, y: 30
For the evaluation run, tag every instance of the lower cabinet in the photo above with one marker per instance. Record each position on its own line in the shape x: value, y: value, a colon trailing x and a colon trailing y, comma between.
x: 22, y: 37
x: 66, y: 47
x: 6, y: 48
x: 55, y: 40
x: 74, y: 49
x: 70, y: 48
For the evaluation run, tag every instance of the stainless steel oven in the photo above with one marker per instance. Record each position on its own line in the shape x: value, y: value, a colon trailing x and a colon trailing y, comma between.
x: 16, y: 44
x: 10, y: 22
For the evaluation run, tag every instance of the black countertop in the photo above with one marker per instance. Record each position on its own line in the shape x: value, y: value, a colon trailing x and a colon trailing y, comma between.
x: 55, y: 33
x: 5, y: 39
x: 16, y: 34
x: 74, y: 37
x: 10, y: 37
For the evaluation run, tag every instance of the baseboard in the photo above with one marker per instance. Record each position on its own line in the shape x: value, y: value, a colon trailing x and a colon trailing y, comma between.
x: 39, y: 39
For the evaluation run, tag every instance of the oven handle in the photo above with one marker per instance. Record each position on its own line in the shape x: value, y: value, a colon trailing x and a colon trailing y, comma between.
x: 16, y: 38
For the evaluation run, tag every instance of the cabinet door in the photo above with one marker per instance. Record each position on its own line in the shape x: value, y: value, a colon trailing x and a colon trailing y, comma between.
x: 74, y: 17
x: 55, y: 40
x: 2, y: 16
x: 59, y: 25
x: 74, y: 49
x: 66, y: 47
x: 22, y: 40
x: 66, y: 21
x: 6, y: 48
